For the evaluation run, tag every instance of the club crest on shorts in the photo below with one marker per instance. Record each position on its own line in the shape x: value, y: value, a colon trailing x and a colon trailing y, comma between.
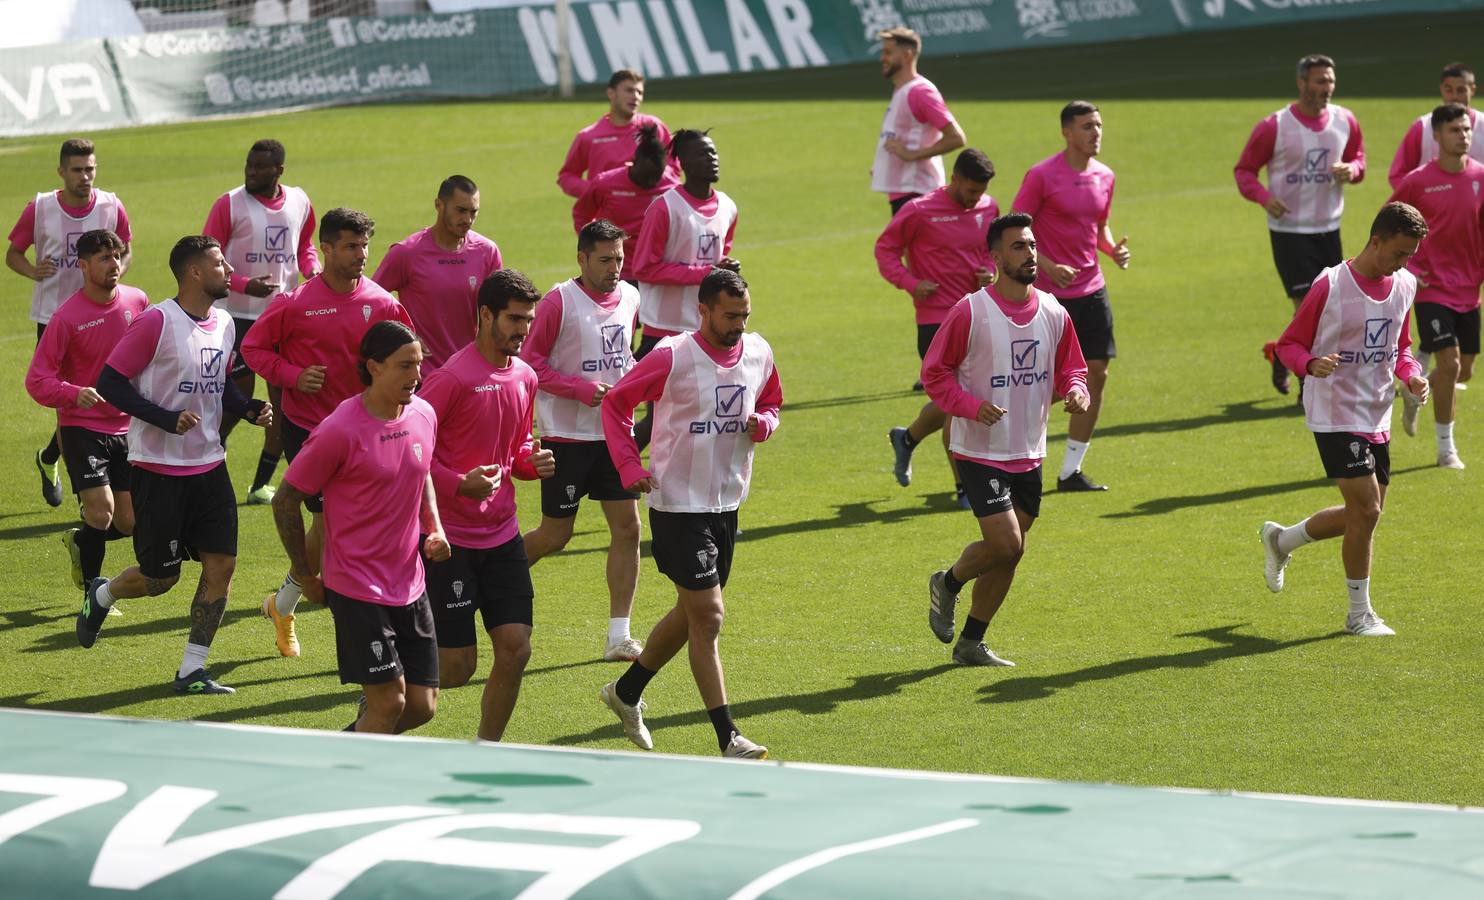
x: 702, y: 556
x: 994, y: 486
x: 417, y: 450
x: 458, y: 590
x: 1355, y: 449
x: 174, y: 547
x: 94, y: 462
x: 571, y: 492
x: 366, y: 312
x: 376, y: 650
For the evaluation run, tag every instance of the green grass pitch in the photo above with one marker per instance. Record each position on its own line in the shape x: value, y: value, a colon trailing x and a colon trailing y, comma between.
x: 1149, y: 650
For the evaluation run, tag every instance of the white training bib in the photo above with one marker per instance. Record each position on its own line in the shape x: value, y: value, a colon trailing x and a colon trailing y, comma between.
x: 594, y: 343
x: 1357, y: 396
x: 893, y: 175
x: 264, y: 242
x: 188, y: 372
x: 1298, y: 173
x: 694, y: 240
x: 57, y: 232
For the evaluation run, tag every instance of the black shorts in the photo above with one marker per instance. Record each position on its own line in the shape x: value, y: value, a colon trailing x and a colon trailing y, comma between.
x: 646, y: 344
x: 95, y: 460
x: 1348, y: 455
x: 992, y: 490
x: 293, y: 441
x: 239, y: 365
x: 375, y: 644
x: 1092, y: 319
x: 497, y: 582
x: 583, y: 469
x: 925, y: 335
x: 694, y: 550
x: 898, y: 203
x: 182, y: 516
x: 40, y: 330
x: 1439, y: 327
x: 1301, y: 257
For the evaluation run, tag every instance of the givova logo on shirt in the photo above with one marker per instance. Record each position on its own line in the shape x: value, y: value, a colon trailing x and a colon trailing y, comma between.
x: 707, y: 245
x: 1316, y: 168
x: 1378, y: 344
x: 69, y: 250
x: 730, y: 401
x: 615, y: 350
x: 275, y: 246
x: 210, y: 377
x: 1024, y: 355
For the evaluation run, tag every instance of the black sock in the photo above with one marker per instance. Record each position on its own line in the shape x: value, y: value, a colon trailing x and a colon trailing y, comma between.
x: 973, y: 630
x: 51, y: 452
x: 952, y: 583
x: 909, y: 440
x: 267, y: 465
x: 113, y: 533
x: 632, y: 683
x: 958, y: 487
x: 90, y: 542
x: 351, y: 726
x: 721, y: 720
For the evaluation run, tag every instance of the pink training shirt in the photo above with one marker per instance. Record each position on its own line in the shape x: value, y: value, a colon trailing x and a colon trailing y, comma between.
x: 1418, y: 146
x: 646, y: 382
x: 485, y: 416
x: 614, y: 196
x: 372, y: 473
x: 72, y: 352
x: 943, y: 242
x: 219, y: 225
x: 314, y: 326
x: 602, y: 146
x: 23, y: 235
x: 540, y: 340
x: 649, y: 263
x: 439, y: 288
x: 951, y: 344
x: 1451, y: 258
x: 1259, y: 151
x: 1070, y: 209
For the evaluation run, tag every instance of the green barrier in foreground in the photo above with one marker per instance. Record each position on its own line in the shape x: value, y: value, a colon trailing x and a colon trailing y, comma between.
x: 90, y: 806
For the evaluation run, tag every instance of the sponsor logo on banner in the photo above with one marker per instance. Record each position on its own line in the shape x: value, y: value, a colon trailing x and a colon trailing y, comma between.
x: 1054, y: 18
x: 314, y: 86
x: 66, y: 83
x: 350, y: 32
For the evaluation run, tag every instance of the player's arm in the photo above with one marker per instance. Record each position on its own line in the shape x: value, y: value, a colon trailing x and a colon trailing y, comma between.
x: 569, y: 178
x: 536, y: 351
x: 891, y: 251
x: 764, y: 420
x: 1408, y: 155
x: 1351, y: 167
x: 532, y: 461
x: 308, y: 256
x: 117, y: 390
x: 1294, y: 346
x: 442, y: 392
x: 44, y: 381
x: 258, y: 412
x: 644, y: 382
x: 940, y: 366
x: 22, y: 236
x: 1070, y: 368
x: 316, y: 465
x: 1258, y: 153
x: 260, y: 347
x: 1118, y: 252
x: 435, y: 545
x: 649, y: 252
x: 1408, y: 370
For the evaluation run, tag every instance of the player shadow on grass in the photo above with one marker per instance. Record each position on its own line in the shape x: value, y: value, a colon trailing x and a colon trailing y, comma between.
x: 1161, y: 505
x: 110, y: 700
x: 862, y: 687
x: 32, y: 618
x: 40, y: 529
x: 1231, y: 413
x: 66, y: 638
x: 1227, y: 645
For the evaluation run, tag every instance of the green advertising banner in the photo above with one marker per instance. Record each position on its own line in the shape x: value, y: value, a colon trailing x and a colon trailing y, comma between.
x: 95, y: 807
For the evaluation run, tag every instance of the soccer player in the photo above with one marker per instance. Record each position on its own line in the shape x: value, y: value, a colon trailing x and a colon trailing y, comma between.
x: 62, y: 374
x: 371, y: 458
x: 623, y: 195
x: 579, y: 348
x: 1070, y: 196
x: 1004, y: 353
x: 266, y: 229
x: 942, y: 235
x: 308, y: 343
x: 1449, y: 192
x: 169, y: 373
x: 918, y: 128
x: 436, y: 272
x: 484, y: 397
x: 1350, y: 336
x: 716, y: 394
x: 1418, y: 145
x: 609, y: 142
x: 1311, y: 149
x: 52, y: 223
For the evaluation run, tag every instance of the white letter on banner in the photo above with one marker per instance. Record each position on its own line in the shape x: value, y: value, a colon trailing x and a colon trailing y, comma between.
x: 62, y: 795
x: 76, y: 81
x: 541, y: 52
x: 747, y: 38
x: 568, y: 868
x: 710, y: 62
x: 625, y: 37
x: 28, y: 106
x: 138, y: 851
x: 666, y: 30
x: 793, y: 24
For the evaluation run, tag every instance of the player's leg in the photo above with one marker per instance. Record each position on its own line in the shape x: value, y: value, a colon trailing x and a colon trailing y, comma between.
x: 454, y: 593
x: 88, y: 468
x: 904, y: 440
x: 551, y: 535
x: 1004, y: 536
x: 415, y: 648
x: 47, y: 456
x: 622, y: 572
x: 505, y: 598
x: 158, y: 500
x: 1092, y: 318
x: 208, y: 606
x: 91, y: 538
x: 561, y: 495
x: 512, y: 648
x: 385, y: 702
x: 1364, y: 499
x: 1443, y: 380
x: 992, y: 496
x: 261, y: 490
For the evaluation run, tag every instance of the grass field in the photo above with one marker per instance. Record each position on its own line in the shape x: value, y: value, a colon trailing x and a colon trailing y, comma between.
x: 1149, y: 651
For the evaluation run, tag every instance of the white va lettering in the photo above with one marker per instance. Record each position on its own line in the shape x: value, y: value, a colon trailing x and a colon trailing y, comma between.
x: 568, y: 868
x: 747, y: 38
x: 76, y: 81
x: 539, y: 28
x: 668, y: 40
x: 794, y: 26
x: 61, y: 796
x: 708, y: 61
x: 28, y: 106
x: 139, y: 851
x: 625, y: 37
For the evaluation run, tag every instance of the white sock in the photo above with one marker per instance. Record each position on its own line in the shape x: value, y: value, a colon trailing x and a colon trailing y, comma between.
x: 618, y: 629
x: 1294, y: 537
x: 287, y: 597
x: 1360, y: 595
x: 103, y: 596
x: 1070, y: 463
x: 1445, y: 437
x: 195, y: 658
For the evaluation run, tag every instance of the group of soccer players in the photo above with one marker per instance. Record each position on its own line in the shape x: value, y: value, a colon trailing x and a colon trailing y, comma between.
x: 407, y: 418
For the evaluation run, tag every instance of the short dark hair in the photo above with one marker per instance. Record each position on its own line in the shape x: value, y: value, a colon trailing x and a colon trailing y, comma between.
x: 974, y: 165
x: 187, y: 250
x: 594, y: 233
x: 380, y: 341
x: 75, y: 147
x: 1399, y: 218
x: 683, y: 137
x: 504, y: 286
x: 721, y: 281
x: 902, y: 36
x: 455, y: 183
x: 1071, y: 111
x: 1314, y: 61
x: 622, y: 75
x: 1446, y: 113
x: 268, y: 145
x: 648, y: 146
x: 342, y: 219
x: 1456, y: 70
x: 1004, y: 223
x: 91, y: 243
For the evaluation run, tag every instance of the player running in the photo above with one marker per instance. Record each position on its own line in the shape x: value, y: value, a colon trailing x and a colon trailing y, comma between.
x: 1003, y: 354
x: 623, y: 195
x: 169, y: 373
x: 1419, y: 146
x: 918, y: 128
x: 370, y: 458
x: 1350, y: 335
x: 716, y: 394
x: 609, y: 142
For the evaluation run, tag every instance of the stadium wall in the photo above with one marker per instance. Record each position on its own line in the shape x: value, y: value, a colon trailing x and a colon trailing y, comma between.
x: 174, y: 76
